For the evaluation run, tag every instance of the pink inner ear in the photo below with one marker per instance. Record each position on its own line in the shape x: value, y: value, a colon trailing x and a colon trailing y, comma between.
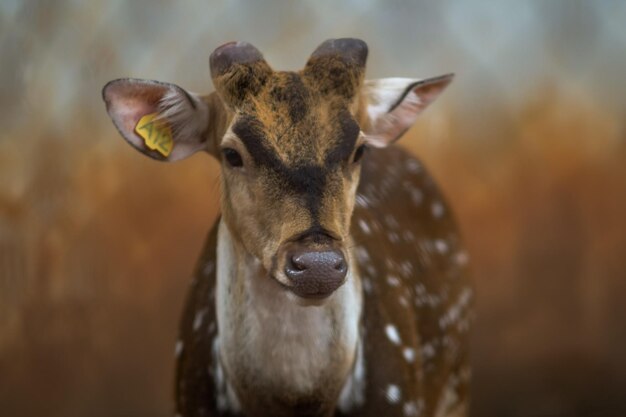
x: 128, y: 101
x: 427, y: 93
x: 389, y: 126
x: 394, y: 124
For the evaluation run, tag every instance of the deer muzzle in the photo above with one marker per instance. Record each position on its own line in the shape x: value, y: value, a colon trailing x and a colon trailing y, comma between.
x: 315, y: 273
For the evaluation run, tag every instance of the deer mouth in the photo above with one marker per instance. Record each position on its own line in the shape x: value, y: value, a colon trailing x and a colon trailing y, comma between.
x: 310, y: 289
x: 306, y: 298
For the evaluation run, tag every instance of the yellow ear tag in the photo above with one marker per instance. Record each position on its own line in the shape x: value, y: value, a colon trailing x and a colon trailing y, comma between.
x: 156, y: 134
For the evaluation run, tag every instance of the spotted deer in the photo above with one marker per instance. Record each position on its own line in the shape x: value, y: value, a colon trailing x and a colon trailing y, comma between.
x: 333, y: 283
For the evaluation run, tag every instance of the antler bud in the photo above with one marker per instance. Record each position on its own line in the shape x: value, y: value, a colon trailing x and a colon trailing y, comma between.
x: 238, y: 69
x: 338, y: 66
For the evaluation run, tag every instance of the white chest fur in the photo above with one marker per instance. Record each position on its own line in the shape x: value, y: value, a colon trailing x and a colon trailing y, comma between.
x: 268, y: 337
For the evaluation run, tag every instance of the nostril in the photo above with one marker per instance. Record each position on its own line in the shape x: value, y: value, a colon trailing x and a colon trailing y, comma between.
x: 338, y: 263
x: 297, y: 266
x: 298, y: 263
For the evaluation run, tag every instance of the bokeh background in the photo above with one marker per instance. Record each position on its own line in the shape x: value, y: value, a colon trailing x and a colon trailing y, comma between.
x: 97, y: 242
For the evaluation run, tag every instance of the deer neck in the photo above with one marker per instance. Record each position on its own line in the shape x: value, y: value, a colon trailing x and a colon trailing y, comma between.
x: 297, y: 357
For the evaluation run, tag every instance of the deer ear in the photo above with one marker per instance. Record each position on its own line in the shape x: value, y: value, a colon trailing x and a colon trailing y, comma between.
x: 393, y: 105
x: 160, y: 120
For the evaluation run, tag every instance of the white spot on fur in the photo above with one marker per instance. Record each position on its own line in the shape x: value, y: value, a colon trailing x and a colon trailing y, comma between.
x: 413, y: 166
x: 199, y: 317
x: 208, y: 268
x: 364, y: 226
x: 433, y: 300
x: 361, y: 201
x: 455, y: 311
x: 367, y: 285
x: 393, y: 280
x: 406, y: 269
x: 417, y: 196
x: 441, y: 246
x: 393, y: 394
x: 437, y: 209
x: 178, y: 349
x: 392, y: 334
x: 410, y: 409
x: 391, y: 221
x: 409, y: 354
x: 448, y: 404
x: 461, y: 258
x: 425, y: 299
x: 403, y: 301
x: 362, y: 254
x: 428, y: 351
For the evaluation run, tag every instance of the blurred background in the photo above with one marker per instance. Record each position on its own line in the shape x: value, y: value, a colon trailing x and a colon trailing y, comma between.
x: 97, y: 242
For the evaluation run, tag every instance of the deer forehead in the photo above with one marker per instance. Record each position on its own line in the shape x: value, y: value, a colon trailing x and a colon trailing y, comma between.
x: 290, y: 122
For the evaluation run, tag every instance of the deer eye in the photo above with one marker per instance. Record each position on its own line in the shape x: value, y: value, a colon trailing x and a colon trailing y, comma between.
x: 358, y: 154
x: 232, y: 157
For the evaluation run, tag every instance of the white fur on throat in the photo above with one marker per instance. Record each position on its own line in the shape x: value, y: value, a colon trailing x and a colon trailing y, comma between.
x: 353, y: 392
x: 263, y: 332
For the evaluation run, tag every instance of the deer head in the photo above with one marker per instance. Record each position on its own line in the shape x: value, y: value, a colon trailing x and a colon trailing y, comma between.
x: 290, y: 146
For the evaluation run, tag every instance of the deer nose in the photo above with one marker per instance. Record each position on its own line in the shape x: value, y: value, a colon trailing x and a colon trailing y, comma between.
x: 315, y: 274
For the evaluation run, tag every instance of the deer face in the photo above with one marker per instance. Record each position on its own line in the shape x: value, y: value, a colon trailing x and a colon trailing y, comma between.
x: 290, y: 146
x: 290, y: 162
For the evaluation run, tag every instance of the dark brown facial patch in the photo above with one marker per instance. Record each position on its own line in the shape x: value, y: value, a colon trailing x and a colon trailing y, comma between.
x: 305, y: 180
x: 345, y: 145
x: 291, y: 93
x: 298, y: 137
